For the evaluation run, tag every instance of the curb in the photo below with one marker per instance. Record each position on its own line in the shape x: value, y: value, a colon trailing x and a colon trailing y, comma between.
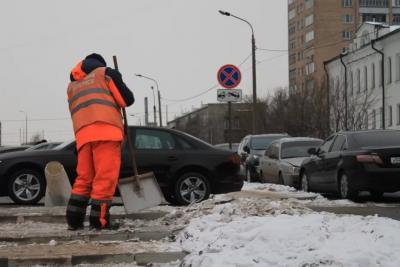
x: 148, y: 216
x: 118, y: 236
x: 143, y: 259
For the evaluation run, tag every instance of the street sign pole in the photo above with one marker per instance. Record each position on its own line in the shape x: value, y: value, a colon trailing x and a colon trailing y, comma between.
x: 230, y: 124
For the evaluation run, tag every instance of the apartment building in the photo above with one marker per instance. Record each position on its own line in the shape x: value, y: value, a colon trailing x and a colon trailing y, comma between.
x: 369, y: 70
x: 321, y: 29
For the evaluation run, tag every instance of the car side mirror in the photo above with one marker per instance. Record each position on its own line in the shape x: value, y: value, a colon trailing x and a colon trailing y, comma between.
x: 312, y: 151
x: 246, y: 149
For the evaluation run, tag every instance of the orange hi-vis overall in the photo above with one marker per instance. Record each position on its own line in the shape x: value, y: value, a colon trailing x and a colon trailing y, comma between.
x: 98, y: 128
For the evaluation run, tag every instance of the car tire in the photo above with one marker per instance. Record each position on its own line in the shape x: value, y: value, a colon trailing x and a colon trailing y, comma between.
x: 304, y: 182
x: 346, y: 190
x: 192, y: 187
x: 280, y: 179
x: 376, y: 195
x: 26, y: 186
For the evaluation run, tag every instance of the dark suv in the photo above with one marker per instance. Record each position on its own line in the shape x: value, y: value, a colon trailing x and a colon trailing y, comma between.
x: 250, y: 150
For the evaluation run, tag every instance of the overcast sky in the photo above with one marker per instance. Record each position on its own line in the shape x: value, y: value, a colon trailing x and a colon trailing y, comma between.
x: 180, y: 43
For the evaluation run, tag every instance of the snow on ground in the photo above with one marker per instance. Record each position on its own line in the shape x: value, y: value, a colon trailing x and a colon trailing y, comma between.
x: 227, y: 238
x: 316, y: 199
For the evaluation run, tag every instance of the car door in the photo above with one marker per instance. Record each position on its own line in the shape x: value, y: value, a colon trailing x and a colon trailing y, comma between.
x: 156, y: 151
x: 332, y: 160
x: 274, y: 163
x: 316, y: 172
x: 270, y: 165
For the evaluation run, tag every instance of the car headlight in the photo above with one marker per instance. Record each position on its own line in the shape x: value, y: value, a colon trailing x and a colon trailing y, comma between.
x: 292, y: 170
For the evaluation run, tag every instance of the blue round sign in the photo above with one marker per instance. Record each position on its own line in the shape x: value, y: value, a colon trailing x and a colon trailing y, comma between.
x: 229, y: 76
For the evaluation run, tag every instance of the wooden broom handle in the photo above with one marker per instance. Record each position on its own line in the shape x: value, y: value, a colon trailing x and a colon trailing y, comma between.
x: 128, y: 135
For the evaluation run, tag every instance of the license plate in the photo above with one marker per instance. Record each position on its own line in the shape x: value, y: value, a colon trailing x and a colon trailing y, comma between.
x: 395, y: 160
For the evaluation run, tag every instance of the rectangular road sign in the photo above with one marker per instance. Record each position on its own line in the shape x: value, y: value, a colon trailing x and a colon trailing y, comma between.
x: 229, y: 95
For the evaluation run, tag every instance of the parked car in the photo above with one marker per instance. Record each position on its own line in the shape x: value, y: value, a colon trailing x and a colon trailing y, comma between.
x: 349, y: 162
x: 6, y: 149
x: 226, y: 146
x: 282, y: 160
x: 44, y: 146
x: 187, y: 169
x: 250, y: 150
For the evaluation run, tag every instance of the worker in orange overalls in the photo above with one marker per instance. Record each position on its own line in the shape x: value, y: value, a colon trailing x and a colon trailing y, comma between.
x: 96, y: 95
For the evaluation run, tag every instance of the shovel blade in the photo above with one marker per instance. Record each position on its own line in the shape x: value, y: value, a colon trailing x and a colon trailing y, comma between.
x: 150, y: 194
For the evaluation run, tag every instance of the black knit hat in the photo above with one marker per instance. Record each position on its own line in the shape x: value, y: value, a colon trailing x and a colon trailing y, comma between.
x: 97, y: 57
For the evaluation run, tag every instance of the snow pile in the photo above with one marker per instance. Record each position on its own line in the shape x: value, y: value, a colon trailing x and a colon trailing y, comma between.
x: 316, y: 239
x: 267, y: 187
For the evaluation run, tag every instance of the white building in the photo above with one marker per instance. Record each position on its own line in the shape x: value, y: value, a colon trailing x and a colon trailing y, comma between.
x: 367, y: 80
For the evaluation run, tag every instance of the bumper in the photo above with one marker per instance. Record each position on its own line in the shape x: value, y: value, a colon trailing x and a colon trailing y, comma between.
x: 228, y: 184
x: 292, y: 180
x: 374, y: 178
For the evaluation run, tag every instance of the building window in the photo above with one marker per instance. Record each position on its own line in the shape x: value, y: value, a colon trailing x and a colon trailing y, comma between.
x: 374, y: 119
x: 396, y: 19
x: 365, y: 79
x: 292, y: 74
x: 309, y: 36
x: 373, y: 76
x: 292, y: 45
x: 292, y: 14
x: 309, y: 20
x: 347, y: 3
x: 290, y: 2
x: 381, y: 112
x: 292, y: 29
x: 310, y: 68
x: 358, y: 81
x: 374, y: 3
x: 398, y: 67
x: 366, y: 121
x: 396, y: 3
x: 351, y: 83
x: 347, y: 18
x: 292, y: 59
x: 308, y: 3
x: 398, y: 114
x: 373, y: 17
x: 390, y: 123
x: 310, y: 84
x: 389, y: 70
x: 347, y: 35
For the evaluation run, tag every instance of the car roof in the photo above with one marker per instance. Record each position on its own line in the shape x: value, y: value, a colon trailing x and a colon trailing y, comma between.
x: 367, y: 131
x: 267, y: 135
x: 298, y: 139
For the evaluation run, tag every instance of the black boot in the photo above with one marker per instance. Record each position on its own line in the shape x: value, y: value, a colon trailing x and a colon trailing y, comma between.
x: 100, y: 216
x: 76, y: 211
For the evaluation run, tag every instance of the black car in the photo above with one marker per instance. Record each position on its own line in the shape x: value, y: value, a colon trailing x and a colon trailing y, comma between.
x: 186, y: 168
x: 350, y: 162
x: 251, y: 148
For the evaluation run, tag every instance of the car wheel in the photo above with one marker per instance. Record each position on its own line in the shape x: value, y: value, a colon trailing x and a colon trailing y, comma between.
x: 345, y: 188
x: 191, y: 188
x: 280, y: 179
x: 26, y: 186
x: 304, y: 182
x: 376, y: 195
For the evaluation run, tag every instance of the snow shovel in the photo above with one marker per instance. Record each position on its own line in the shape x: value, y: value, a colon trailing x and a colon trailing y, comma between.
x: 58, y: 188
x: 140, y: 191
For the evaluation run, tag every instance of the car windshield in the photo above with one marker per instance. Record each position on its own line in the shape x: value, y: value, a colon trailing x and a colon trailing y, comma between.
x: 297, y: 149
x: 261, y: 143
x: 378, y: 138
x: 63, y: 145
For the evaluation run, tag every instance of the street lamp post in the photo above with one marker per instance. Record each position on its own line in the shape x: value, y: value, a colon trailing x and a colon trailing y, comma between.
x: 154, y: 106
x: 26, y: 126
x: 253, y: 52
x: 158, y: 91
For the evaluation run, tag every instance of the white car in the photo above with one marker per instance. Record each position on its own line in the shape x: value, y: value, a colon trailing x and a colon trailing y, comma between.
x: 282, y: 160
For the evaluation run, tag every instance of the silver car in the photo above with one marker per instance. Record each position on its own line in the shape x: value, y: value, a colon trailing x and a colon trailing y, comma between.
x: 281, y: 161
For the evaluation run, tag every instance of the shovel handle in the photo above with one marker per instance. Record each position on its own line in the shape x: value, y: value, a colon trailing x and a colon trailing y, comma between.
x: 129, y: 138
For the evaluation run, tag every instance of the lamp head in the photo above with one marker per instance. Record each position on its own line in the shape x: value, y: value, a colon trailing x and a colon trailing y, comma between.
x: 224, y: 13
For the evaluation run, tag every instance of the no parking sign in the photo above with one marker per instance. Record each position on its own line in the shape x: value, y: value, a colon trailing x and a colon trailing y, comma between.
x: 229, y: 76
